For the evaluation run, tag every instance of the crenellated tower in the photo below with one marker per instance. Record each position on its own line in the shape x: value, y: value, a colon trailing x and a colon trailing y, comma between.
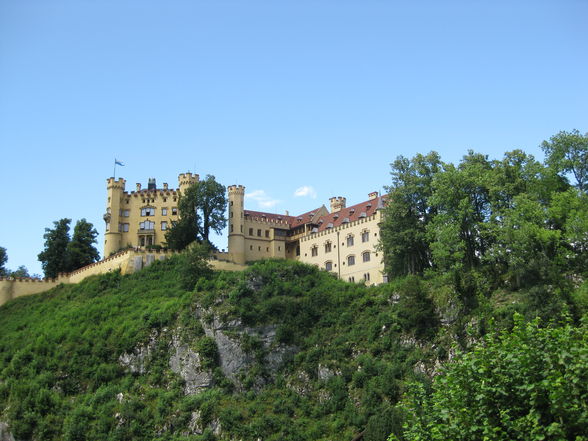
x: 236, y: 219
x: 112, y: 236
x: 185, y: 180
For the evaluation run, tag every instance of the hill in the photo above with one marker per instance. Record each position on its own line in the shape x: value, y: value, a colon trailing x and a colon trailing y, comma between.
x: 281, y: 351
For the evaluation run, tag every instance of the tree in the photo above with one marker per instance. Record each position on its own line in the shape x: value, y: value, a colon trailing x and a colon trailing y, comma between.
x: 20, y: 272
x: 202, y: 209
x: 524, y: 384
x: 81, y: 250
x: 54, y: 258
x: 407, y: 214
x: 567, y: 152
x: 3, y: 260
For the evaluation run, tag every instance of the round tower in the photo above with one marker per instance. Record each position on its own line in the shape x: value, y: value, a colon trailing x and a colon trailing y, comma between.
x: 236, y: 218
x: 115, y: 190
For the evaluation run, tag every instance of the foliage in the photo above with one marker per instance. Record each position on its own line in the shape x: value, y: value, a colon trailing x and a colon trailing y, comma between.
x: 3, y: 260
x: 21, y: 271
x: 195, y: 265
x: 54, y: 257
x: 526, y: 384
x: 567, y: 152
x: 81, y: 249
x: 202, y: 209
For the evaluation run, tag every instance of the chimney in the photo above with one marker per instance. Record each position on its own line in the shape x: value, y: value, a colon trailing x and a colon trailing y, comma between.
x: 165, y: 186
x: 337, y: 203
x: 373, y: 195
x: 138, y: 186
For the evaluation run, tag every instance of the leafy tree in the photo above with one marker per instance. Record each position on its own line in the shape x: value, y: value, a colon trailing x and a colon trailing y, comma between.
x: 408, y: 212
x: 195, y: 265
x: 202, y: 209
x: 567, y: 152
x: 81, y: 250
x: 527, y: 384
x: 3, y: 260
x: 21, y: 271
x: 54, y: 258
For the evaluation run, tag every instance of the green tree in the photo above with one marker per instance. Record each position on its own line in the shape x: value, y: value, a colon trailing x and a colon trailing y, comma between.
x: 407, y: 214
x: 567, y: 152
x: 3, y: 260
x: 527, y: 384
x: 459, y: 232
x: 54, y: 258
x: 21, y: 271
x: 81, y: 250
x: 202, y: 209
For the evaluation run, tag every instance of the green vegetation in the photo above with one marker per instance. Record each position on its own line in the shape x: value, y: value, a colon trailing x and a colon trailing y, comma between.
x: 202, y: 208
x: 62, y: 254
x: 479, y: 335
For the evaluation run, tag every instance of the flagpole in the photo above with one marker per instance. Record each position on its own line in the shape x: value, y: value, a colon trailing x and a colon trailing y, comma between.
x: 114, y: 172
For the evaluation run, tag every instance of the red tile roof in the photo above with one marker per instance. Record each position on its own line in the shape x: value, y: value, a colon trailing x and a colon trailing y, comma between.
x: 351, y: 214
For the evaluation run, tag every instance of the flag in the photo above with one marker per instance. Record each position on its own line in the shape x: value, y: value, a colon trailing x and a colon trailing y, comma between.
x: 117, y: 162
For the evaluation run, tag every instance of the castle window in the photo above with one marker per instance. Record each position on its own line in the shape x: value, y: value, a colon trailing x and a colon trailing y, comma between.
x: 365, y: 236
x: 164, y: 199
x: 250, y: 247
x: 125, y: 228
x: 164, y: 211
x: 163, y: 225
x: 298, y: 250
x: 314, y: 251
x: 258, y: 248
x: 259, y: 233
x: 329, y: 266
x: 266, y: 233
x: 148, y: 211
x: 327, y: 247
x: 352, y: 279
x: 366, y: 277
x: 350, y: 260
x: 350, y: 240
x: 147, y: 225
x: 366, y: 256
x: 251, y: 231
x: 174, y: 211
x: 125, y: 213
x: 231, y: 228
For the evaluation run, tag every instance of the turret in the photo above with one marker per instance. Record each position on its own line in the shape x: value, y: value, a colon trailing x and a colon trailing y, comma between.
x: 187, y: 179
x: 115, y: 190
x: 236, y: 219
x: 337, y: 203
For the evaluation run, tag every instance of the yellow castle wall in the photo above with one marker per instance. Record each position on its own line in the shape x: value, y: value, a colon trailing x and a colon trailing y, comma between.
x: 340, y: 251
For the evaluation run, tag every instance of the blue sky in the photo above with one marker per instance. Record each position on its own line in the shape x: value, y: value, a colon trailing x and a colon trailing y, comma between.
x: 276, y: 96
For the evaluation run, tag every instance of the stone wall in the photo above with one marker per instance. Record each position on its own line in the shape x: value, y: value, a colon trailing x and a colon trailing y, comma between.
x: 127, y: 261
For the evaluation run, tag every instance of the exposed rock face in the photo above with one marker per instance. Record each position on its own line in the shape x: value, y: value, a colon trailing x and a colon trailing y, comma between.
x: 5, y: 434
x: 234, y: 360
x: 136, y: 362
x: 187, y: 364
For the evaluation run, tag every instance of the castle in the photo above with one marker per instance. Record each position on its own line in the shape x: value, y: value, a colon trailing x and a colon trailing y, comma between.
x: 341, y: 240
x: 140, y: 218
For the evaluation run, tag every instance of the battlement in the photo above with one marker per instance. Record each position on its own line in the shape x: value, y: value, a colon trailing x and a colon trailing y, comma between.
x: 236, y: 189
x: 337, y: 203
x: 115, y: 184
x: 187, y: 179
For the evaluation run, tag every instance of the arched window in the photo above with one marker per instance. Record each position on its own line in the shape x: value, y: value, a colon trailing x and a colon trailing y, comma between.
x: 351, y: 260
x: 314, y: 251
x: 327, y: 247
x: 329, y: 265
x: 365, y: 256
x: 350, y: 240
x: 365, y: 236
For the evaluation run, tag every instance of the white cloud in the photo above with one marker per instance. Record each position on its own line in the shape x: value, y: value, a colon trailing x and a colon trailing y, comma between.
x: 262, y: 199
x: 305, y: 190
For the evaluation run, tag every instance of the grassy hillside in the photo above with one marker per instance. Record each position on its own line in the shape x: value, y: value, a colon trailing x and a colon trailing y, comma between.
x: 351, y: 351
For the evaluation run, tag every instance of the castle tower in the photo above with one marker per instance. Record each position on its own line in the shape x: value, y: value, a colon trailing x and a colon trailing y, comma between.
x: 236, y: 219
x: 185, y: 180
x: 337, y: 203
x: 115, y: 190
